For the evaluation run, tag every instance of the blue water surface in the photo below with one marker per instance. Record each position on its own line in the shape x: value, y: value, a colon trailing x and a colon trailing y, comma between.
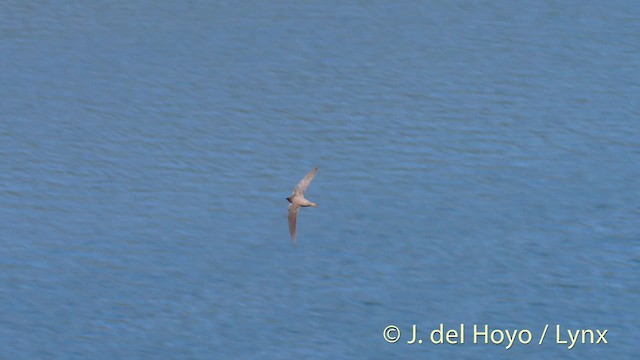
x: 479, y: 164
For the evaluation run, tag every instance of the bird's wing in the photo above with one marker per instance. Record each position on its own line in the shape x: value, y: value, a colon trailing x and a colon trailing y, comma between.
x: 304, y: 183
x: 293, y: 216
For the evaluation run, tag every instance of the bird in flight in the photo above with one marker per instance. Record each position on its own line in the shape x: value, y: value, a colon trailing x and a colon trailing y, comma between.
x: 297, y: 199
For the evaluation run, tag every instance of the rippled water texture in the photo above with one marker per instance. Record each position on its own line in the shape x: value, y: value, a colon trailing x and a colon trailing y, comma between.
x: 479, y: 164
